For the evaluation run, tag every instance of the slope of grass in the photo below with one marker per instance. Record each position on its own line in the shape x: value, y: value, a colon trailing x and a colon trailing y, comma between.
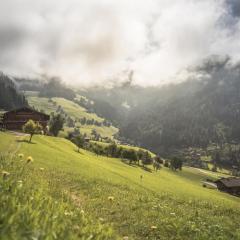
x: 7, y: 142
x: 30, y: 209
x: 73, y: 110
x: 158, y: 205
x: 104, y: 144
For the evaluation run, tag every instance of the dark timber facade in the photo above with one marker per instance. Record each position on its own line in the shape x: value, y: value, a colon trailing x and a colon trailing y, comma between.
x: 15, y: 119
x: 230, y: 185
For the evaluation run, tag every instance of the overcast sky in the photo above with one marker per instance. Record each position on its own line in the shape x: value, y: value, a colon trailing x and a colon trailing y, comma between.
x: 98, y: 41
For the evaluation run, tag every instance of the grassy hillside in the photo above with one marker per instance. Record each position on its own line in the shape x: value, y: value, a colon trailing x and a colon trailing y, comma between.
x: 74, y: 111
x: 158, y: 205
x: 104, y: 144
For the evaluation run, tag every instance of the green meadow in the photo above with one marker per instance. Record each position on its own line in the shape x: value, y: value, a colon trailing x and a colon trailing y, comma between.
x: 104, y: 145
x: 69, y: 195
x: 74, y: 111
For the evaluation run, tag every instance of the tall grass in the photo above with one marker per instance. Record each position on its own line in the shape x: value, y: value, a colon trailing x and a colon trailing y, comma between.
x: 33, y: 207
x: 164, y: 205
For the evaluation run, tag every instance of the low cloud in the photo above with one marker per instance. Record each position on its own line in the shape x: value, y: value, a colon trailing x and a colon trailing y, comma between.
x: 100, y: 42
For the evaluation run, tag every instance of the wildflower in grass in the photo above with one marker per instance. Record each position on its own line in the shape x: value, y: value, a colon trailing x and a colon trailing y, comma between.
x: 19, y: 184
x: 76, y: 227
x: 29, y: 159
x: 5, y: 174
x: 125, y: 238
x: 66, y: 213
x: 41, y: 169
x: 110, y: 198
x: 153, y: 227
x: 172, y: 213
x: 82, y: 211
x: 20, y: 155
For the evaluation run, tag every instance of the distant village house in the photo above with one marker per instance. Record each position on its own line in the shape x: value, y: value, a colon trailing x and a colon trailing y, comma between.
x: 230, y: 185
x: 15, y: 119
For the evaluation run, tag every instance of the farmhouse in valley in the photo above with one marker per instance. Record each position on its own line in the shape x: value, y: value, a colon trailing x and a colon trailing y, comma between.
x: 15, y: 119
x: 230, y: 185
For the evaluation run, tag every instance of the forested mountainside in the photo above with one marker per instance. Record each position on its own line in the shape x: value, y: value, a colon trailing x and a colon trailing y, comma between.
x: 202, y: 110
x: 10, y: 97
x: 46, y: 87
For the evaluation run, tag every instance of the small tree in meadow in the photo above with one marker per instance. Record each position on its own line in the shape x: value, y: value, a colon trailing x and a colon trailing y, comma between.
x: 214, y: 168
x: 79, y: 141
x: 146, y: 158
x: 32, y: 128
x: 112, y: 150
x: 140, y: 155
x: 56, y: 124
x: 176, y: 163
x: 166, y: 163
x: 132, y: 156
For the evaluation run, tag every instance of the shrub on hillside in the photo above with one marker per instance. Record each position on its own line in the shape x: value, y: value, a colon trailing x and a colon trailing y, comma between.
x: 214, y: 168
x: 146, y: 158
x: 176, y: 163
x: 130, y: 155
x: 32, y: 128
x: 166, y: 163
x: 56, y: 124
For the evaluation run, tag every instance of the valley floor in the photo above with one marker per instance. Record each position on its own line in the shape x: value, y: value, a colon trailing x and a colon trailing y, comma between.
x: 128, y: 200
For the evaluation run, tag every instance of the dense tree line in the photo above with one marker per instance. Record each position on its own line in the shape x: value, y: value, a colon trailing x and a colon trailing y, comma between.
x: 112, y: 150
x: 10, y: 97
x: 131, y: 156
x: 55, y: 88
x: 227, y: 157
x: 210, y: 114
x: 195, y: 113
x: 85, y: 121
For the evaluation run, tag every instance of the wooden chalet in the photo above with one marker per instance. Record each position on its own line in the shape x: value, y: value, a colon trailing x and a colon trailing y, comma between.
x: 15, y: 119
x: 230, y: 185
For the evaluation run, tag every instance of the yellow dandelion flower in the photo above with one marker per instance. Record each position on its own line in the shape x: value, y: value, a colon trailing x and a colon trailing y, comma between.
x: 110, y: 198
x: 153, y: 227
x: 20, y: 183
x: 20, y: 155
x: 82, y: 211
x: 29, y: 159
x: 66, y: 213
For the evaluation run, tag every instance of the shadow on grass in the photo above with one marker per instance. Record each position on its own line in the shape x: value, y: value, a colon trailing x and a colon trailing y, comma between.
x: 24, y: 141
x: 147, y: 169
x: 130, y: 165
x: 78, y: 151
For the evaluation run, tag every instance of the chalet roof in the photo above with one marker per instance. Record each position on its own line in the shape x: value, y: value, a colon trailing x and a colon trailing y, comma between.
x: 26, y: 109
x: 229, y: 182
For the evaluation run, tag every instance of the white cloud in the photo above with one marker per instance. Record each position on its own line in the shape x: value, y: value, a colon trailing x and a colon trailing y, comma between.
x: 90, y: 42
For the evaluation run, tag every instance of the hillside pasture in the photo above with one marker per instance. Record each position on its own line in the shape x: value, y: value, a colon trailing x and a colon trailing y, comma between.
x: 135, y: 203
x: 104, y: 145
x: 74, y: 111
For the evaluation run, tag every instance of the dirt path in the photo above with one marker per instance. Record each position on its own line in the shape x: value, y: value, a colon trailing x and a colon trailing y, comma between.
x: 18, y: 134
x: 14, y: 147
